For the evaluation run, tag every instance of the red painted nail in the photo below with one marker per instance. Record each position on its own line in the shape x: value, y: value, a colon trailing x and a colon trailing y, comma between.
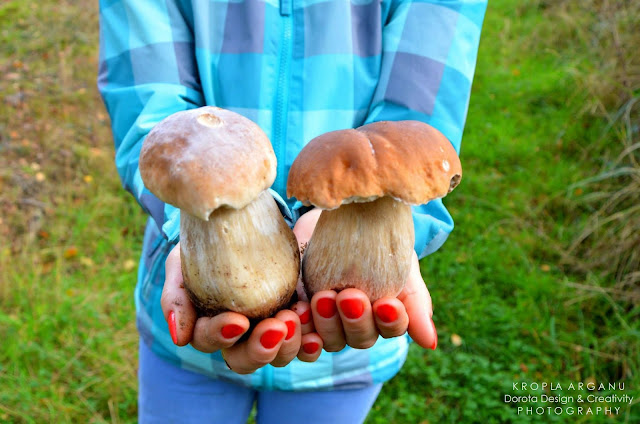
x: 305, y: 317
x: 230, y: 331
x: 291, y: 329
x: 326, y: 307
x: 172, y: 327
x: 310, y: 348
x: 352, y: 308
x: 387, y: 313
x: 435, y: 342
x: 271, y: 338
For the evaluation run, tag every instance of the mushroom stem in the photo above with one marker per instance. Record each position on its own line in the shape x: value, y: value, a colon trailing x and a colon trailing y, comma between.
x: 363, y: 245
x: 243, y: 260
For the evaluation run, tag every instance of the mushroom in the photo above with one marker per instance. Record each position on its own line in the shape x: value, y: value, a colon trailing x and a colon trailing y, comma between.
x: 238, y: 254
x: 365, y: 180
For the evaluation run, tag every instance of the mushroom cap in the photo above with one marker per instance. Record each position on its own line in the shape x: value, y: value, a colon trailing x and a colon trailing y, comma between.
x: 201, y: 159
x: 408, y: 160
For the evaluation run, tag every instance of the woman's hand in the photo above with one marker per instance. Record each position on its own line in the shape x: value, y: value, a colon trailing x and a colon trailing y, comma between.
x: 349, y: 318
x: 276, y: 341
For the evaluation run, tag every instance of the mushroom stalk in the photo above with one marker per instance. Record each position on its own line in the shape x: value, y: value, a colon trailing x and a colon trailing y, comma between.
x: 363, y: 245
x: 244, y: 260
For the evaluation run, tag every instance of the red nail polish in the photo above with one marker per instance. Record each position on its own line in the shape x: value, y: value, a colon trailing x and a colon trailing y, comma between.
x: 326, y: 307
x: 387, y: 313
x: 172, y: 327
x: 310, y: 348
x: 271, y: 338
x: 291, y: 329
x: 435, y: 342
x: 305, y: 317
x: 230, y: 331
x: 352, y: 308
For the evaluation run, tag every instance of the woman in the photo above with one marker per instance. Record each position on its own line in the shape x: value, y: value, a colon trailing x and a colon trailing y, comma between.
x: 298, y: 69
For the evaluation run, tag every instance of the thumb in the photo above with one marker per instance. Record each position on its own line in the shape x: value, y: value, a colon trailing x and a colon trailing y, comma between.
x: 303, y: 230
x: 305, y: 225
x: 176, y: 306
x: 417, y: 302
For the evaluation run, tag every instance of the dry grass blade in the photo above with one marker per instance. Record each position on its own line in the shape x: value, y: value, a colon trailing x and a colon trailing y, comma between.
x: 608, y: 242
x: 580, y: 348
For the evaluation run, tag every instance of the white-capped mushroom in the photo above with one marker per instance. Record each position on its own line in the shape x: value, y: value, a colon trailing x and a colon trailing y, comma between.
x: 365, y: 181
x: 238, y: 254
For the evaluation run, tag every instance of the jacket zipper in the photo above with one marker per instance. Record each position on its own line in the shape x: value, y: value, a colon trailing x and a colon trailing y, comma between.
x: 280, y: 117
x: 280, y: 120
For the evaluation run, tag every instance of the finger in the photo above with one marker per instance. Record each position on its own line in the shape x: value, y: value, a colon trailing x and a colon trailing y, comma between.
x: 221, y: 331
x: 417, y: 302
x: 303, y: 310
x: 259, y: 350
x: 176, y: 306
x: 310, y: 347
x: 357, y: 318
x: 302, y: 294
x: 291, y: 343
x: 304, y: 227
x: 326, y: 320
x: 390, y: 316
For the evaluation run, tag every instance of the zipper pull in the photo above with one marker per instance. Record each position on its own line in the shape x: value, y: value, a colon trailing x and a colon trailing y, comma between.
x: 286, y: 7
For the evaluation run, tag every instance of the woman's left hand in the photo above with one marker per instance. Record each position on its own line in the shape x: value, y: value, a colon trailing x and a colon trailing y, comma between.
x: 349, y: 318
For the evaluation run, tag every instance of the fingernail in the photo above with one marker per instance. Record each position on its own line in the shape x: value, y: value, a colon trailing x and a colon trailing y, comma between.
x: 291, y: 329
x: 326, y: 307
x: 305, y: 317
x: 386, y: 313
x: 352, y: 308
x: 310, y: 348
x: 435, y: 342
x: 271, y: 338
x: 230, y: 331
x: 172, y: 327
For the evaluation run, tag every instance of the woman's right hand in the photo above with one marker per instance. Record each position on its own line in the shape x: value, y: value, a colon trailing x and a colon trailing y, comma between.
x: 276, y: 341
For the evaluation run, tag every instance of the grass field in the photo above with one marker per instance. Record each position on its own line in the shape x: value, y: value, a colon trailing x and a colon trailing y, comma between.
x: 512, y: 306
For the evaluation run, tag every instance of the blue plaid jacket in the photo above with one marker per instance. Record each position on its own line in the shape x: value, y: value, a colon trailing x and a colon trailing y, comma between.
x: 298, y: 68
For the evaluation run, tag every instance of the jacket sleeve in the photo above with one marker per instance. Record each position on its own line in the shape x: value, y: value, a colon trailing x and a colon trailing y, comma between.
x: 147, y: 72
x: 429, y: 55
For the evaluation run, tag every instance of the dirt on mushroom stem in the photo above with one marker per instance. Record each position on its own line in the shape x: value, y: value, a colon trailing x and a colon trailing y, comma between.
x: 243, y: 260
x: 363, y: 245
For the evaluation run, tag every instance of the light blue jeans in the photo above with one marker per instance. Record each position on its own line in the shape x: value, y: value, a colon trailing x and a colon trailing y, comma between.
x: 169, y: 394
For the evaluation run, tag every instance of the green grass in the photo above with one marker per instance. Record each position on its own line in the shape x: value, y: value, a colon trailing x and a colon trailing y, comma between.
x: 506, y: 309
x: 497, y: 283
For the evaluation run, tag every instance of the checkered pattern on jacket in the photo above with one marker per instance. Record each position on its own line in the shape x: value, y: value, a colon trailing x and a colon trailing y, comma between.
x: 298, y: 68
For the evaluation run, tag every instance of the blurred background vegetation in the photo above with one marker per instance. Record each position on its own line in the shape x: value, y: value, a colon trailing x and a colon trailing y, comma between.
x: 540, y: 281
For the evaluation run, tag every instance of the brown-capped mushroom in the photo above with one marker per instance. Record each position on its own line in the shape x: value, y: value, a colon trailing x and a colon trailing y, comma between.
x: 238, y: 254
x: 365, y: 180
